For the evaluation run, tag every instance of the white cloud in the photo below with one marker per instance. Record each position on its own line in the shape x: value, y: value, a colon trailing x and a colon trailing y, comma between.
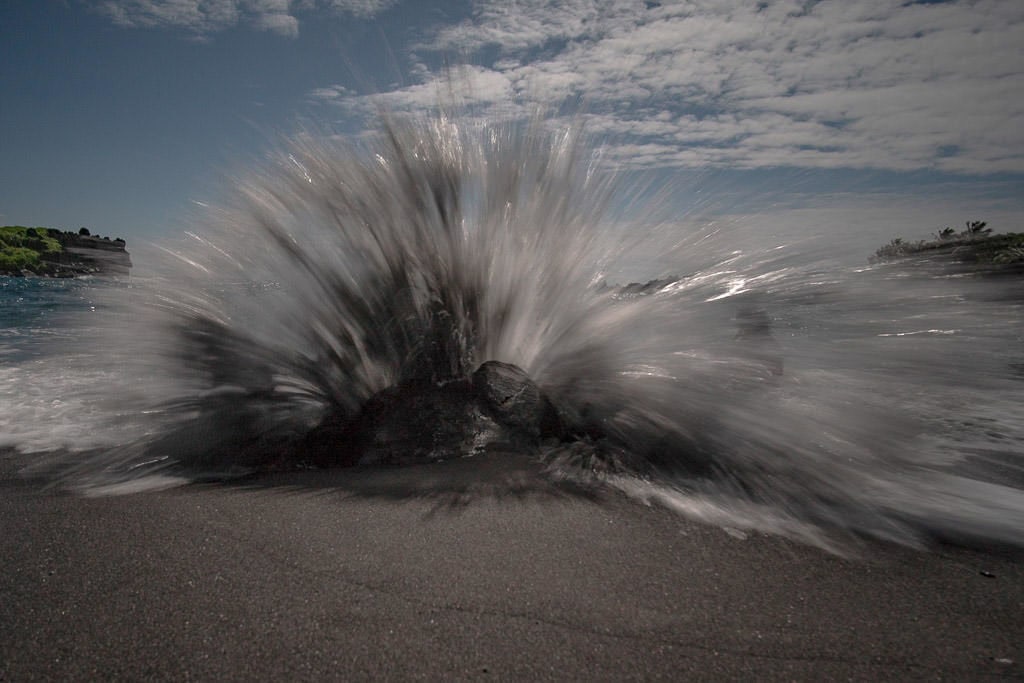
x: 833, y: 84
x: 519, y: 25
x: 470, y: 88
x: 204, y: 17
x: 195, y: 15
x: 360, y: 8
x: 273, y: 15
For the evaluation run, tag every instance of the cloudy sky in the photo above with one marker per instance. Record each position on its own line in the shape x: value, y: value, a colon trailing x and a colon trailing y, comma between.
x: 906, y: 116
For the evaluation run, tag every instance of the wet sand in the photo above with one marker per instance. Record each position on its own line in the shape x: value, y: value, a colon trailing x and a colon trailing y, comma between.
x: 477, y: 569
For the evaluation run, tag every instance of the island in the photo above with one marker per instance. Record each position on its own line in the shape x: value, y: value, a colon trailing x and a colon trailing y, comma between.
x: 49, y: 252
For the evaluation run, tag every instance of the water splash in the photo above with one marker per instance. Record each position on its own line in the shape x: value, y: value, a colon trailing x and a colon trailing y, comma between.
x: 760, y: 387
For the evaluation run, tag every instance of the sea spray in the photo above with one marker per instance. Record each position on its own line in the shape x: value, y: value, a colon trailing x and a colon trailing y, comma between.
x: 760, y: 386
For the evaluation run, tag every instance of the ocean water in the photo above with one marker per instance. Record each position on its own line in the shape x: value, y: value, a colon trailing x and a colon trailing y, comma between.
x: 765, y: 383
x: 31, y: 312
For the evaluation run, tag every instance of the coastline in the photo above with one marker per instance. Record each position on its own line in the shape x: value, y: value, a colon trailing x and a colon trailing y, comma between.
x: 50, y: 252
x: 469, y: 569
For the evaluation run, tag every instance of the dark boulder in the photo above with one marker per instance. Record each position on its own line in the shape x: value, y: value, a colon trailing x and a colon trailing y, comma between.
x: 423, y: 421
x: 412, y: 423
x: 509, y: 395
x: 514, y: 400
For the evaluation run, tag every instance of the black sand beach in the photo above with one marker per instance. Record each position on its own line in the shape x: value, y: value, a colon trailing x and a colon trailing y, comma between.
x: 469, y: 570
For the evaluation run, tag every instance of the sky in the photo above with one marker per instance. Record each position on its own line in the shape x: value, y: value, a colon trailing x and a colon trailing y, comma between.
x: 883, y: 117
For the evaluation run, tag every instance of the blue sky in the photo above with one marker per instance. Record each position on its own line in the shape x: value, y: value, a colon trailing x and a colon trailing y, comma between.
x: 120, y: 115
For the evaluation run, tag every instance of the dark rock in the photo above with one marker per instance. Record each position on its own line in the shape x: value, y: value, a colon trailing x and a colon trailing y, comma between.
x: 423, y: 421
x: 509, y: 395
x: 412, y: 423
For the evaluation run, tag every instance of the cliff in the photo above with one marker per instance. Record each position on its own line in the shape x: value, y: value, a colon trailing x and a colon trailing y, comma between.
x: 57, y: 253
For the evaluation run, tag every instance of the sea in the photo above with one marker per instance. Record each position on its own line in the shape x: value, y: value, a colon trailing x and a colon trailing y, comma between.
x: 762, y: 383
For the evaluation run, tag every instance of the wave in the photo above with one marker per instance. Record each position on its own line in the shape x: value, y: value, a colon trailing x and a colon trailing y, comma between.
x: 752, y: 387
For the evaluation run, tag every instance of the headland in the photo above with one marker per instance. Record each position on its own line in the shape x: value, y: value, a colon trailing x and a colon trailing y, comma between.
x: 50, y: 252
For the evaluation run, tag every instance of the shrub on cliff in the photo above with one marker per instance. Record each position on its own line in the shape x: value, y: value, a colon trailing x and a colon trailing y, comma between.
x: 37, y: 239
x: 16, y: 259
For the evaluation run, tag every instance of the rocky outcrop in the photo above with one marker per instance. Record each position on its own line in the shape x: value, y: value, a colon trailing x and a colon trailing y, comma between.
x: 408, y: 424
x: 499, y: 406
x: 425, y: 422
x: 55, y: 253
x: 82, y: 255
x: 513, y: 400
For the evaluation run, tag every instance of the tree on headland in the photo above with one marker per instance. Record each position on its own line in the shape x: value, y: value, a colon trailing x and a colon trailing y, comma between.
x: 977, y: 228
x: 83, y: 231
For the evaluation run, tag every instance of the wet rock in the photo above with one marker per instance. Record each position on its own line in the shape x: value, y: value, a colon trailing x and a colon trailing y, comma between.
x: 408, y: 424
x: 423, y: 421
x: 509, y: 394
x: 514, y: 400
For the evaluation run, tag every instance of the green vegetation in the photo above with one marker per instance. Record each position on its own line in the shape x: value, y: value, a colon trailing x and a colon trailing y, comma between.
x: 48, y: 251
x: 24, y: 248
x: 18, y: 258
x: 975, y: 243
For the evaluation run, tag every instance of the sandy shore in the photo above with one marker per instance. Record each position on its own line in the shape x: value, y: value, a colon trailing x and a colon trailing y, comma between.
x: 470, y: 570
